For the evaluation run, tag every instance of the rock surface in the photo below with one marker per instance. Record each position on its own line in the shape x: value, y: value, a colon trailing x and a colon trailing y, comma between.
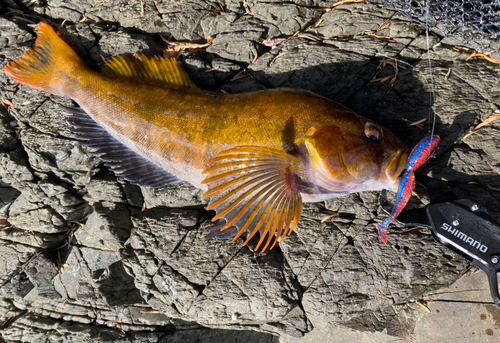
x: 134, y: 264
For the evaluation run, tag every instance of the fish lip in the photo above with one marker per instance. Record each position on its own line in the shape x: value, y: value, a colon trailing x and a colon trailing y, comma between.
x: 397, y: 165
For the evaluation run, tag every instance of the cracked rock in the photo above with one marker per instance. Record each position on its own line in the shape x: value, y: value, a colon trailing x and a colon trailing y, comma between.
x: 88, y: 257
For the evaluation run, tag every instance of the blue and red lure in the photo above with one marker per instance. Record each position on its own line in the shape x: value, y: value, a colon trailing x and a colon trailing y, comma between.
x: 417, y: 157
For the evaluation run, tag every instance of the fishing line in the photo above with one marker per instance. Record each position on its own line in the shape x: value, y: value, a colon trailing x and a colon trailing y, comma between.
x: 432, y: 112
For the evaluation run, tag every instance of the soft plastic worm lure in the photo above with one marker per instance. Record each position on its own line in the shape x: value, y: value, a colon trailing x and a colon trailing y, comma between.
x: 417, y: 157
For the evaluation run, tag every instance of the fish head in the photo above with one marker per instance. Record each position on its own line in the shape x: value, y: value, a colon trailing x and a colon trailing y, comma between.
x: 354, y: 155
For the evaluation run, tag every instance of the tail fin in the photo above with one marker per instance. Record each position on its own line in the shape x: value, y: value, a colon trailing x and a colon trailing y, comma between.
x: 36, y: 67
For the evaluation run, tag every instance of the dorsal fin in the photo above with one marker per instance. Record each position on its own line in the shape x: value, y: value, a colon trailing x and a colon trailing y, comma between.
x: 151, y: 68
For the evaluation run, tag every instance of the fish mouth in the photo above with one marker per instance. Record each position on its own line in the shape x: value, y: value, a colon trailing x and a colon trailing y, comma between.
x: 396, y: 166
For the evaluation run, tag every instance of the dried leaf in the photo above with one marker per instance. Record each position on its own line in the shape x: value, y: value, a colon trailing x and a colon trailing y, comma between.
x: 241, y: 74
x: 172, y: 52
x: 381, y: 37
x: 345, y: 2
x: 247, y: 9
x: 493, y: 188
x: 12, y: 10
x: 423, y: 306
x: 483, y: 123
x: 485, y: 55
x: 7, y: 104
x: 473, y: 54
x: 190, y: 45
x: 77, y: 223
x: 27, y: 21
x: 17, y: 130
x: 396, y: 71
x: 315, y: 25
x: 255, y: 58
x: 308, y: 36
x: 276, y: 57
x: 60, y: 266
x: 417, y: 123
x: 9, y: 320
x: 222, y: 8
x: 491, y: 59
x: 413, y: 228
x: 14, y: 86
x: 107, y: 249
x: 415, y: 194
x: 447, y: 74
x: 384, y: 25
x: 329, y: 217
x: 392, y: 62
x: 382, y: 79
x: 318, y: 23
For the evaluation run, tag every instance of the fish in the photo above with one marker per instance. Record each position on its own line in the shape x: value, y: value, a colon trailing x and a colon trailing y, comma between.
x: 258, y: 155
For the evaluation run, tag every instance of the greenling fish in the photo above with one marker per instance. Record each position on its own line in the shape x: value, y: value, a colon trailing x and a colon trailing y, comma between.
x: 258, y: 155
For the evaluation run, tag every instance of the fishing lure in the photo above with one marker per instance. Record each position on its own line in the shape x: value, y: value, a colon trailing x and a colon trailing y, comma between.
x: 417, y: 157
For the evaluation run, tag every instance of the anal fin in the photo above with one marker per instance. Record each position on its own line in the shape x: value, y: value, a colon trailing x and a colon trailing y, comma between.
x: 123, y: 161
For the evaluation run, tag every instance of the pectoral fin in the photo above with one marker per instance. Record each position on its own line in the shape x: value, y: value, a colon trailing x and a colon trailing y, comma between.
x: 254, y: 188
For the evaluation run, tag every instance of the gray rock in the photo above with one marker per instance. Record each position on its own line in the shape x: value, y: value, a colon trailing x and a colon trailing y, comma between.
x: 239, y: 41
x: 135, y: 264
x: 286, y: 17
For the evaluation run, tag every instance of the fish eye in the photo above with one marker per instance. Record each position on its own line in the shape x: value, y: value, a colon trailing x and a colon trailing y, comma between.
x: 372, y: 132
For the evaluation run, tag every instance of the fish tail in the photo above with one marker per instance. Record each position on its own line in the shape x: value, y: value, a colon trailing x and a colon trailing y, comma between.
x: 48, y: 59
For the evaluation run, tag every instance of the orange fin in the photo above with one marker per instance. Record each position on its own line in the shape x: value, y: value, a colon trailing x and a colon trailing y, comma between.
x: 254, y: 188
x: 35, y: 68
x: 152, y: 68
